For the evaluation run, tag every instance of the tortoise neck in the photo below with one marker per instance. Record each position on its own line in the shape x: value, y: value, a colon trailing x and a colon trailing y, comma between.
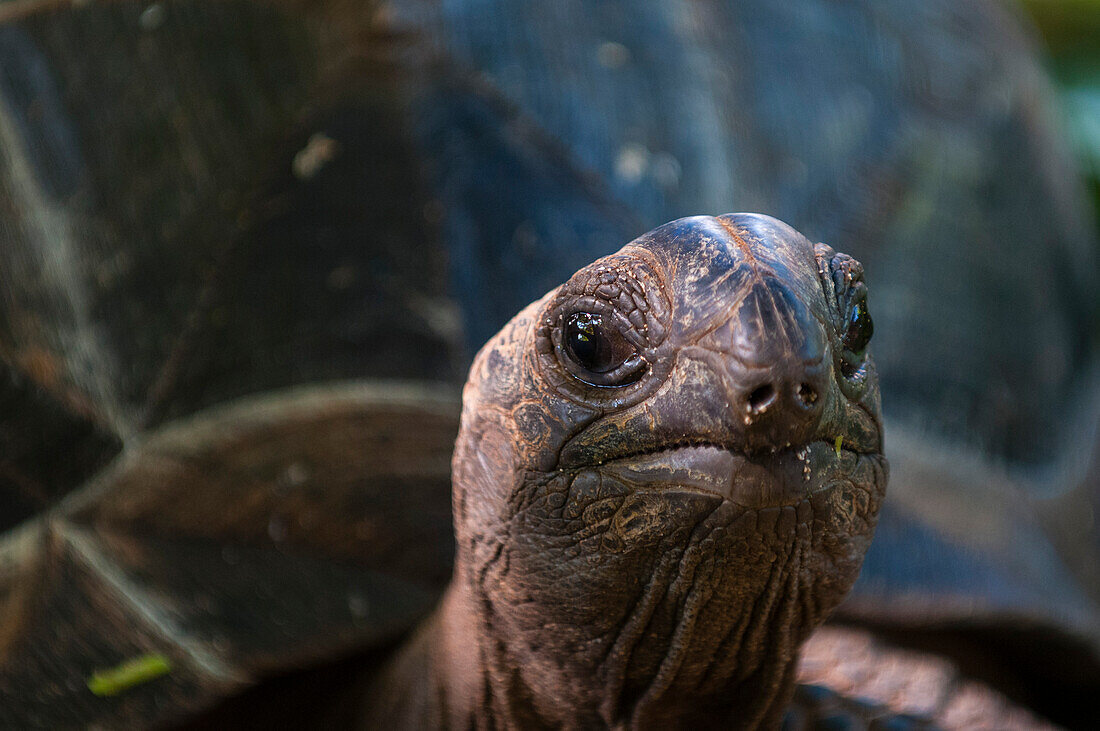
x: 463, y: 671
x: 436, y: 680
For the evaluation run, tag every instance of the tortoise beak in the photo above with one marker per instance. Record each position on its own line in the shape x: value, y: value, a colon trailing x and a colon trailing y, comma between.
x: 786, y: 477
x: 774, y: 366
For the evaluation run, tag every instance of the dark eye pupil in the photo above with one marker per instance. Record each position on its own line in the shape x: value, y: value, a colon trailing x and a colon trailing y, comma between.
x: 588, y: 343
x: 594, y: 346
x: 860, y: 327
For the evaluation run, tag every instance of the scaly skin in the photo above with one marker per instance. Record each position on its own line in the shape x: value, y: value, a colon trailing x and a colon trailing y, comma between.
x: 651, y: 552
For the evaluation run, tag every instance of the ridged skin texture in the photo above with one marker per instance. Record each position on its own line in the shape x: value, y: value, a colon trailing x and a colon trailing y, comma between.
x: 651, y: 555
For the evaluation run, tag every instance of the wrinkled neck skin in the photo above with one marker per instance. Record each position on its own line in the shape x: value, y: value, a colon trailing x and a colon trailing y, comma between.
x: 584, y: 598
x: 675, y: 650
x: 581, y: 608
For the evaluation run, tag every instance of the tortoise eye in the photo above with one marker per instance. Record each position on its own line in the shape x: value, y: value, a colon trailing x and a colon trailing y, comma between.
x: 599, y: 353
x: 859, y: 327
x: 594, y: 347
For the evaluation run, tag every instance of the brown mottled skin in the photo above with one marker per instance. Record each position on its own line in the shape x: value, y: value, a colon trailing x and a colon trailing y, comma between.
x: 650, y: 552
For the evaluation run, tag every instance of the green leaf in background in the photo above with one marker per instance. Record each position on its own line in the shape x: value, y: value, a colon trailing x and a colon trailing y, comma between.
x: 1070, y: 30
x: 133, y: 672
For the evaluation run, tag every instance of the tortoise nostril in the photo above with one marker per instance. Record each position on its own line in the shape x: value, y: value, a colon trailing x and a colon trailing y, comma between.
x: 761, y: 398
x: 807, y: 394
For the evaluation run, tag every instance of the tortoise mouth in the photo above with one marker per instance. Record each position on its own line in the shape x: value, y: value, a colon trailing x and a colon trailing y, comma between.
x: 771, y: 479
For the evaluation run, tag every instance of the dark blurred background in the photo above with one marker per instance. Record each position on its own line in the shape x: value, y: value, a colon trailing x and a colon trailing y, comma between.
x: 1070, y: 34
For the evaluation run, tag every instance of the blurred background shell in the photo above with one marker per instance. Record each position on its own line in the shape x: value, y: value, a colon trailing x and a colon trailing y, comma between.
x: 204, y: 201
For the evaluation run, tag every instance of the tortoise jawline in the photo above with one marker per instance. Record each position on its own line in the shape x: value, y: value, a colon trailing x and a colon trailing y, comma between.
x: 785, y: 477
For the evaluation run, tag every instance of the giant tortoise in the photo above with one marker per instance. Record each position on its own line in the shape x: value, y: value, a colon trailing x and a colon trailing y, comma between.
x: 249, y: 249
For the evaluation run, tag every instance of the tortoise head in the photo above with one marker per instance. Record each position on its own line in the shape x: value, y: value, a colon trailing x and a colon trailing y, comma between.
x: 669, y: 470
